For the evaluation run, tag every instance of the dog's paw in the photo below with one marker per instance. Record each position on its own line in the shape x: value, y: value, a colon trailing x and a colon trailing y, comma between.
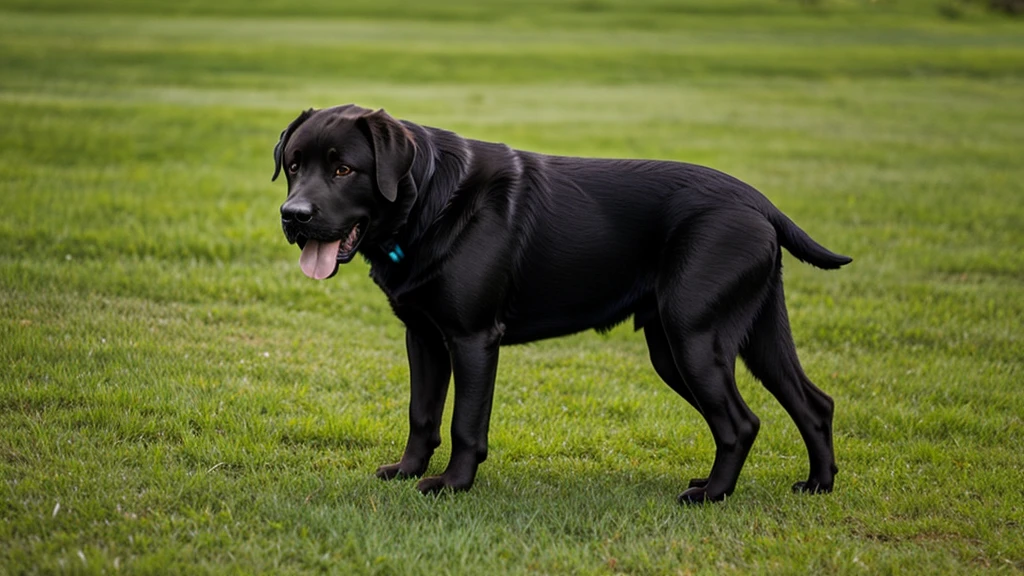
x: 698, y: 483
x: 698, y: 495
x: 440, y: 484
x: 811, y: 486
x: 396, y: 472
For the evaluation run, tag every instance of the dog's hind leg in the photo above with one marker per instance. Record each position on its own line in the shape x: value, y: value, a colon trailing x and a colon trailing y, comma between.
x: 665, y: 366
x: 771, y: 357
x: 710, y: 289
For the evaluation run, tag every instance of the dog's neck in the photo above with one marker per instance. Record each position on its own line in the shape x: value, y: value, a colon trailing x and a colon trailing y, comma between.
x: 425, y: 193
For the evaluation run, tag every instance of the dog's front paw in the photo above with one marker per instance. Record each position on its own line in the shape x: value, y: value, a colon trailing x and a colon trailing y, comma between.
x: 811, y: 486
x: 397, y: 471
x: 442, y: 483
x: 698, y: 495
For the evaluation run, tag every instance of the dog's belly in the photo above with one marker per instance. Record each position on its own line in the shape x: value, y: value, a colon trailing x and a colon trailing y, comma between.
x: 571, y: 288
x: 531, y: 320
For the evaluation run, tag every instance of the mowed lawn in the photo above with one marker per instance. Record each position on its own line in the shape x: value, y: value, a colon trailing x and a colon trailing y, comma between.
x: 175, y: 396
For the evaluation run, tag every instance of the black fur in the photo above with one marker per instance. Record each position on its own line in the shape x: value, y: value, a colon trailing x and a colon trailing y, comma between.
x: 503, y: 246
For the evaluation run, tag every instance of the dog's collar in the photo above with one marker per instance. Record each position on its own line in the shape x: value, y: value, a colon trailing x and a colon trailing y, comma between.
x: 393, y: 250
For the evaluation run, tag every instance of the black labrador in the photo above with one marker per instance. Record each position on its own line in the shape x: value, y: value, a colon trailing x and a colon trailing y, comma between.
x: 477, y: 245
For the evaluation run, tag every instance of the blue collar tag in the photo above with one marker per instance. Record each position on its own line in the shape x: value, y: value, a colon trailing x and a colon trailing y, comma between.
x: 395, y: 253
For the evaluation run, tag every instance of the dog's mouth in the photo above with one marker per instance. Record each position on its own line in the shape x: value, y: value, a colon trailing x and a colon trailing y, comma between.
x: 320, y: 259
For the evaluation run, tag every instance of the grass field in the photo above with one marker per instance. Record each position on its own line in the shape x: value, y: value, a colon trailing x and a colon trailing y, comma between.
x: 175, y: 396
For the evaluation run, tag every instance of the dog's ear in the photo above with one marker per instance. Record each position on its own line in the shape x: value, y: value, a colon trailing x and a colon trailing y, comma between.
x: 285, y: 135
x: 393, y: 150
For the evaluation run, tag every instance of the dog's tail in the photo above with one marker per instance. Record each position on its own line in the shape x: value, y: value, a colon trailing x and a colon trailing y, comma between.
x: 799, y: 244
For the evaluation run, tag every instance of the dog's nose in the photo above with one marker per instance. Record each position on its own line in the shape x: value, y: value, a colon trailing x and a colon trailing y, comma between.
x: 297, y: 211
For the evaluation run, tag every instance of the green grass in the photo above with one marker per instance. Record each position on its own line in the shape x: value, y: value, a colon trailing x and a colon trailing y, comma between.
x: 176, y: 397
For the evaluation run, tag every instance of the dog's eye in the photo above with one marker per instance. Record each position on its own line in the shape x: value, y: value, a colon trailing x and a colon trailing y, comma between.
x: 293, y: 167
x: 343, y: 171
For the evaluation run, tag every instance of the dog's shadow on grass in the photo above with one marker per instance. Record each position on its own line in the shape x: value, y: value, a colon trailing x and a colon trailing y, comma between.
x: 576, y: 489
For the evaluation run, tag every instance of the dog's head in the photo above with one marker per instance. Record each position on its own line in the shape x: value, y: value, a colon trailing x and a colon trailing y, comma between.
x: 344, y: 166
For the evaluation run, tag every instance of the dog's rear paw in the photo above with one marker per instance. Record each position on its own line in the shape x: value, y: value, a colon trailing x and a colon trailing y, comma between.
x: 698, y: 483
x: 812, y: 487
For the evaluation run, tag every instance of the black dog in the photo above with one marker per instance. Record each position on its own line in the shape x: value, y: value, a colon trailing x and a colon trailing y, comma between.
x: 478, y: 245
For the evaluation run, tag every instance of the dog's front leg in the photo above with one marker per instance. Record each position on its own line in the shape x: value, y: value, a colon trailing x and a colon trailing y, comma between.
x: 475, y: 363
x: 430, y: 369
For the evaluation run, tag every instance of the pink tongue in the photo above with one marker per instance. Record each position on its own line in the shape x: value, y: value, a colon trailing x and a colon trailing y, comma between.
x: 318, y: 259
